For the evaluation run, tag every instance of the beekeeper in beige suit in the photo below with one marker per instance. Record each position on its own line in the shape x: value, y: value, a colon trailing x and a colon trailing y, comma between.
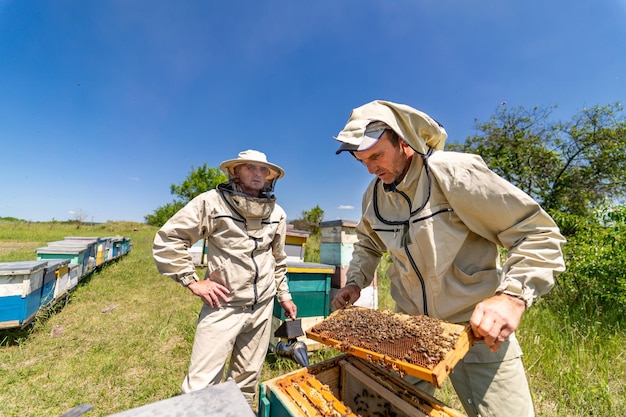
x: 442, y: 216
x: 246, y: 267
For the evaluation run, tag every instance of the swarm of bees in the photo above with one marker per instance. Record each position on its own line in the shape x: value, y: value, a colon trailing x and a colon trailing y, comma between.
x: 417, y: 340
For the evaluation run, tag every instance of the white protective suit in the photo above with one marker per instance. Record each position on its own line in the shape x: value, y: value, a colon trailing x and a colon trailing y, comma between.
x: 246, y: 237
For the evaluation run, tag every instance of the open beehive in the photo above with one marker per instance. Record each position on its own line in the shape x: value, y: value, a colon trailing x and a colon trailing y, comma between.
x: 347, y: 386
x: 420, y: 346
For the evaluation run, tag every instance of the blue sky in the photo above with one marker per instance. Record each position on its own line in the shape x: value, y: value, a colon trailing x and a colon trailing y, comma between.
x: 105, y: 104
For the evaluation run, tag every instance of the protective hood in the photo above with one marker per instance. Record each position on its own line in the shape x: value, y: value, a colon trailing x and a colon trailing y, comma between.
x: 253, y: 209
x: 418, y: 129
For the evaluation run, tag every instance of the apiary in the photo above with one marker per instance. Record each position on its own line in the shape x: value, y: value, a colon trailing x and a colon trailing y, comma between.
x: 420, y: 346
x: 346, y: 386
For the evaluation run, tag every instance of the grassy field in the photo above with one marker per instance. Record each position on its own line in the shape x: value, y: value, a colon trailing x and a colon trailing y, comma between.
x: 123, y: 339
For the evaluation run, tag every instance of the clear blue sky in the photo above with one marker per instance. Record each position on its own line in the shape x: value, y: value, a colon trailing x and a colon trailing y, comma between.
x: 105, y: 104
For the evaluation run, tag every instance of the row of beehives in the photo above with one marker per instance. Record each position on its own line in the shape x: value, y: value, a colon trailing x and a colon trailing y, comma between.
x: 28, y: 286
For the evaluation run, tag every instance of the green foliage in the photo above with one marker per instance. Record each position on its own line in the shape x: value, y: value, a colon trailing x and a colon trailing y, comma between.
x: 12, y: 219
x: 594, y: 284
x: 199, y: 180
x: 312, y: 248
x: 313, y: 218
x: 310, y: 220
x: 569, y: 167
x: 163, y: 213
x: 385, y: 302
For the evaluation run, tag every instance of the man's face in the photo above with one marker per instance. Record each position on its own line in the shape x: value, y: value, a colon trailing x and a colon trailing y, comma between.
x: 252, y: 177
x: 384, y: 160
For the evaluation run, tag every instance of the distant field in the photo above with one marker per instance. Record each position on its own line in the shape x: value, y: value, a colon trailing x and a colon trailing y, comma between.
x: 8, y: 247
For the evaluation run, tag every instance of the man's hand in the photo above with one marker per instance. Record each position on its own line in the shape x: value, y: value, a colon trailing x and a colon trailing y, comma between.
x: 495, y: 318
x: 347, y: 295
x: 210, y: 291
x: 290, y: 308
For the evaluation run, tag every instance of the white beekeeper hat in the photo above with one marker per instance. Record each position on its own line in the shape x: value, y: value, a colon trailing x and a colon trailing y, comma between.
x: 252, y: 157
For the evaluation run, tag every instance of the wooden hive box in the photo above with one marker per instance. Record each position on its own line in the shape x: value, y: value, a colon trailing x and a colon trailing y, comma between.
x: 346, y: 386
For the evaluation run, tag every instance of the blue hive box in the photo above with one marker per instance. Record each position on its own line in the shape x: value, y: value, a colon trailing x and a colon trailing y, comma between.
x: 20, y: 292
x: 53, y: 271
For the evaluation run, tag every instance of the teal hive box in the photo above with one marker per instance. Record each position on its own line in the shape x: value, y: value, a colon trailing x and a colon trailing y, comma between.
x: 126, y: 245
x: 76, y: 254
x: 89, y: 258
x: 20, y: 292
x: 309, y: 284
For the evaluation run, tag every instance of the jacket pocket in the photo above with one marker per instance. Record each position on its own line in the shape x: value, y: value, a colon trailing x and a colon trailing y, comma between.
x: 221, y: 273
x: 484, y: 276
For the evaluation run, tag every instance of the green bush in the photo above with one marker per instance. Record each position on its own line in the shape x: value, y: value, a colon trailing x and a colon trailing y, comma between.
x: 594, y: 284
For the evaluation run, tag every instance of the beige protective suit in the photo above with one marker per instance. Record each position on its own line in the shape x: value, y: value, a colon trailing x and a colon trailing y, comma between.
x: 246, y: 254
x: 442, y: 225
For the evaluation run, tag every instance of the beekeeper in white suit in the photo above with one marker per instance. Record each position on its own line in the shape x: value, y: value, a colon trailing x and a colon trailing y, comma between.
x: 246, y: 268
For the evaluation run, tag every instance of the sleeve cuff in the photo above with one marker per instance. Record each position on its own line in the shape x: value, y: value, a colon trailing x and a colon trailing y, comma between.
x: 518, y: 290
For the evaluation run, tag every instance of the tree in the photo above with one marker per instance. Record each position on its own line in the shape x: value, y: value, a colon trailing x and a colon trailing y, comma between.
x: 310, y: 220
x: 198, y: 181
x: 163, y: 213
x: 567, y: 167
x: 79, y: 216
x: 313, y: 218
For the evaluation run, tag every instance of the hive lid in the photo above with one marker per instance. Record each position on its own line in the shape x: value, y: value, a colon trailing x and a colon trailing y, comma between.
x: 310, y: 267
x: 420, y: 346
x: 83, y: 238
x: 21, y: 267
x: 72, y: 250
x: 71, y: 243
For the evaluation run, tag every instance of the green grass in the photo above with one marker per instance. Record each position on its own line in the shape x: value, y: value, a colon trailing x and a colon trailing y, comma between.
x: 576, y: 367
x: 123, y: 340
